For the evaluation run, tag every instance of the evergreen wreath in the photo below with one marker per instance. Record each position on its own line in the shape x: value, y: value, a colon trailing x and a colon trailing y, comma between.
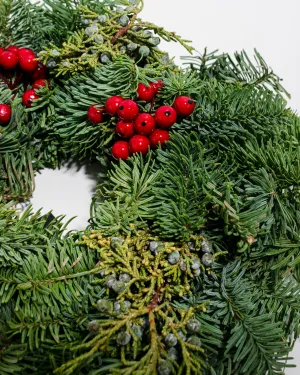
x: 191, y: 262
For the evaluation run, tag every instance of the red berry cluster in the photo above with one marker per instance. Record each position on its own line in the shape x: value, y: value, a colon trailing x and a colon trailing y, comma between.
x: 20, y: 65
x: 141, y: 130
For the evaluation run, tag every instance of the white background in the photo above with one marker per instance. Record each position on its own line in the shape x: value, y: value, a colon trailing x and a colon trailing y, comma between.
x: 271, y: 26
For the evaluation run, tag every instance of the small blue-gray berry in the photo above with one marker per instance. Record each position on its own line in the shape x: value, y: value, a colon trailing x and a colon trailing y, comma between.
x: 174, y: 257
x: 154, y: 245
x: 124, y: 20
x: 110, y: 280
x: 193, y: 326
x: 102, y: 18
x: 182, y: 265
x: 129, y: 9
x: 85, y: 21
x: 66, y: 64
x: 40, y: 54
x: 55, y: 52
x: 123, y: 338
x: 115, y: 241
x: 118, y: 286
x: 165, y: 59
x: 194, y: 340
x: 206, y: 246
x: 173, y: 354
x: 171, y: 340
x: 51, y: 63
x: 121, y: 307
x: 98, y: 39
x: 90, y: 31
x: 84, y: 57
x: 138, y: 331
x: 132, y: 46
x: 93, y: 326
x: 191, y: 246
x: 146, y: 323
x: 182, y: 335
x: 197, y: 272
x: 207, y: 259
x: 137, y: 28
x: 144, y: 51
x: 103, y: 305
x: 147, y: 34
x: 155, y: 40
x: 102, y: 272
x: 196, y: 264
x: 123, y: 49
x: 164, y: 367
x: 124, y: 277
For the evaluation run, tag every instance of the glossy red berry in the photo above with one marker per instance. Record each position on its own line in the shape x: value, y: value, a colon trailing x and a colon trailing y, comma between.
x: 95, y: 114
x: 125, y: 129
x: 159, y: 136
x: 28, y: 62
x: 39, y: 83
x: 25, y: 51
x: 29, y: 97
x: 1, y: 50
x: 145, y: 93
x: 120, y: 150
x: 128, y: 110
x: 13, y: 49
x: 139, y: 143
x: 9, y: 60
x: 112, y: 105
x: 184, y: 105
x: 157, y: 85
x: 144, y: 124
x: 5, y: 114
x: 40, y: 72
x: 165, y: 117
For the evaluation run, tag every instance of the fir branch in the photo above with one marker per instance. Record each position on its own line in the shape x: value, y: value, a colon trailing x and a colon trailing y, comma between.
x: 239, y: 70
x: 126, y: 200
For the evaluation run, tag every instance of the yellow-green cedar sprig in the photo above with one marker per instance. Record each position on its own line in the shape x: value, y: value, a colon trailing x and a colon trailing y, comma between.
x: 81, y: 52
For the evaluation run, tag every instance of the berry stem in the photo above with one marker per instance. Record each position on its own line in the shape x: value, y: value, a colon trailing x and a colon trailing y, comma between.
x: 17, y: 80
x: 5, y: 81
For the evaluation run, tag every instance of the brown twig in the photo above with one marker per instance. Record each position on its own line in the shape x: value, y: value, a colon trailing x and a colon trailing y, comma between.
x: 123, y: 31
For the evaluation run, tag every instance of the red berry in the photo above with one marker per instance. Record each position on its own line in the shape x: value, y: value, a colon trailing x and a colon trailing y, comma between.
x: 165, y: 116
x: 95, y: 114
x: 128, y: 110
x: 39, y: 83
x: 145, y: 93
x: 184, y: 105
x: 139, y: 143
x: 120, y: 150
x: 112, y: 105
x: 144, y: 124
x: 25, y: 51
x: 159, y: 136
x: 5, y: 114
x: 40, y: 72
x: 1, y: 50
x: 29, y: 97
x: 28, y: 62
x: 125, y: 129
x: 157, y: 85
x: 13, y: 49
x: 9, y: 60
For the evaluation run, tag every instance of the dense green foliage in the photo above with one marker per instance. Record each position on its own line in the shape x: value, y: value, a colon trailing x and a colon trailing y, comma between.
x: 229, y: 177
